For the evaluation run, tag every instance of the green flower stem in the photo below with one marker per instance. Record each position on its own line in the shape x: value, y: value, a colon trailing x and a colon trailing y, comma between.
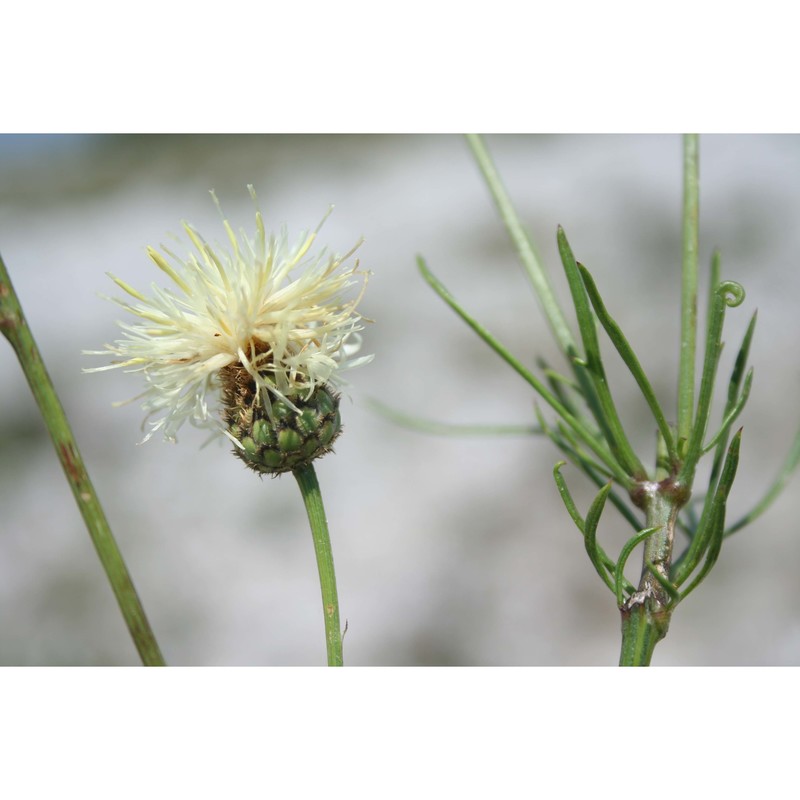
x: 536, y: 272
x: 15, y: 329
x: 691, y: 227
x: 312, y: 497
x: 646, y: 613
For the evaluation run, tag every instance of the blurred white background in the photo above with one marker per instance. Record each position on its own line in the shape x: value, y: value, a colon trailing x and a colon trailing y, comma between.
x: 449, y: 551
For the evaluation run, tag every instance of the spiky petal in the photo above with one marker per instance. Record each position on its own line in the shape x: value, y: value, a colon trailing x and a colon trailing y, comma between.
x: 285, y: 316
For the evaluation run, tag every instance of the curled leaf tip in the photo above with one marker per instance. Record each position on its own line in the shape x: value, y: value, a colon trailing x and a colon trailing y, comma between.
x: 731, y: 293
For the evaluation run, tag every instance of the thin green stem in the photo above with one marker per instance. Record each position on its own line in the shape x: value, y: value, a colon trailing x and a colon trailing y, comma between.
x: 646, y: 614
x: 691, y: 225
x: 312, y: 497
x: 661, y: 512
x: 536, y: 272
x: 15, y: 328
x: 639, y: 638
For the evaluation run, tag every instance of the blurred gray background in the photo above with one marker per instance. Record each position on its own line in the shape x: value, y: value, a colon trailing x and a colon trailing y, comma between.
x: 449, y: 551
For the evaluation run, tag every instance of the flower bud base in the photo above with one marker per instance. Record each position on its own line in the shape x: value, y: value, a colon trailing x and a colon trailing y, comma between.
x: 284, y: 438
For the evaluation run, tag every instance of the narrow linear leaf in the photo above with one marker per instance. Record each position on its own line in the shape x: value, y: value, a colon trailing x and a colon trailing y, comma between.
x: 448, y: 428
x: 566, y: 497
x: 726, y: 294
x: 599, y: 479
x: 689, y: 525
x: 715, y: 507
x: 590, y: 538
x: 582, y: 367
x: 584, y: 458
x: 734, y: 387
x: 596, y: 473
x: 629, y: 358
x: 537, y: 274
x: 561, y: 386
x: 717, y: 528
x: 556, y: 379
x: 589, y: 394
x: 617, y: 502
x: 714, y: 279
x: 731, y: 414
x: 789, y: 466
x: 572, y: 510
x: 585, y: 435
x: 741, y: 360
x: 555, y: 435
x: 608, y: 419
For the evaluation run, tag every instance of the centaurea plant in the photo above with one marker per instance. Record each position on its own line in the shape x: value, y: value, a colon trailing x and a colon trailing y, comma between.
x: 249, y: 342
x: 589, y: 432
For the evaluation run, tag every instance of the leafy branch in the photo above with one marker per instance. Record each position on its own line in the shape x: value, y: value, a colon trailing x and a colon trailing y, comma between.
x: 590, y: 432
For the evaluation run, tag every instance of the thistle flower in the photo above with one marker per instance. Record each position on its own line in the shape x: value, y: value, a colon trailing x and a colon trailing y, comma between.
x: 250, y: 336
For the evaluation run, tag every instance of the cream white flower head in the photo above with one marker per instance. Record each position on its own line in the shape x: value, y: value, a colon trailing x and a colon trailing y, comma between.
x: 268, y: 307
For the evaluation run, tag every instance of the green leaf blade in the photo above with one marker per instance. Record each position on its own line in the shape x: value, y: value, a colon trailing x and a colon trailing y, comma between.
x: 580, y: 428
x: 629, y: 358
x: 607, y: 417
